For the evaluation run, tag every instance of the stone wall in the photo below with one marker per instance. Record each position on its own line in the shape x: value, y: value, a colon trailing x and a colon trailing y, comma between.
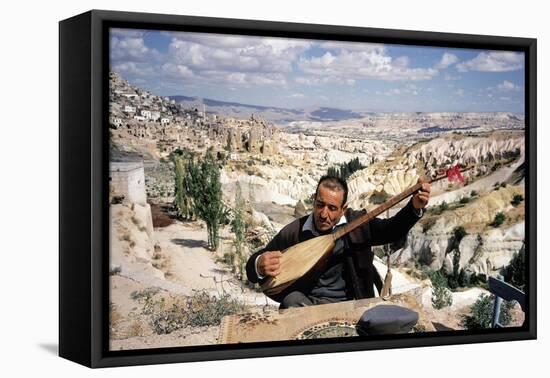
x: 128, y: 179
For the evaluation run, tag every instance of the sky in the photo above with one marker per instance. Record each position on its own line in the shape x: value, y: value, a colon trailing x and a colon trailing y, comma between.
x: 301, y: 73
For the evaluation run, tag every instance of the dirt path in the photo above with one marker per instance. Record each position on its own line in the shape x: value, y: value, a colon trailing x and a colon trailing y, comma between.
x: 190, y: 264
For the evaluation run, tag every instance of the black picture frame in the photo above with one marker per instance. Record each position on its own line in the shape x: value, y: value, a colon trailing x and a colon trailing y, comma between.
x: 83, y: 182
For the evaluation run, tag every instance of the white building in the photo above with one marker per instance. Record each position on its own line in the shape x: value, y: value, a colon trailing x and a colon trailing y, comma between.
x: 129, y: 109
x: 165, y: 121
x: 128, y: 179
x: 139, y: 118
x: 146, y: 114
x: 115, y: 121
x: 155, y: 116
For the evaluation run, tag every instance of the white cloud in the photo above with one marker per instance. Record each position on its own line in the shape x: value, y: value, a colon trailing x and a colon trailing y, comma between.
x: 446, y: 60
x: 131, y: 49
x: 313, y: 80
x: 177, y: 71
x: 233, y: 60
x: 402, y: 61
x: 507, y: 86
x: 448, y: 77
x: 393, y: 91
x: 499, y: 61
x: 369, y: 64
x: 134, y: 69
x: 459, y: 92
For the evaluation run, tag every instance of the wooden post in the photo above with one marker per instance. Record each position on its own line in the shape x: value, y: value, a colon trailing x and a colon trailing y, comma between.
x: 496, y: 308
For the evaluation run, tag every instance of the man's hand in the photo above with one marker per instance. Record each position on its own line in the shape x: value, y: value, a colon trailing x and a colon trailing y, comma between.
x: 420, y: 199
x: 269, y: 263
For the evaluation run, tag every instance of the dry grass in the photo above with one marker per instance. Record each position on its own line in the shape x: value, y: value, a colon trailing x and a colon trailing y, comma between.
x: 126, y: 236
x: 138, y: 224
x: 114, y: 315
x: 135, y: 329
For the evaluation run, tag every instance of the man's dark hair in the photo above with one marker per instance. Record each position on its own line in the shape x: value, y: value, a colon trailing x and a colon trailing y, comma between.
x: 333, y: 183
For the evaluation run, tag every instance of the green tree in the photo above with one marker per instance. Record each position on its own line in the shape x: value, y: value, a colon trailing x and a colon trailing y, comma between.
x: 516, y: 200
x: 345, y: 170
x: 239, y: 228
x: 203, y: 178
x: 481, y: 313
x: 499, y: 219
x: 183, y: 200
x: 514, y: 273
x: 441, y: 296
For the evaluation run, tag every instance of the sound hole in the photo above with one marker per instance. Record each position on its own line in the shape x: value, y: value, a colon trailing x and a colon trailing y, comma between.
x: 333, y: 328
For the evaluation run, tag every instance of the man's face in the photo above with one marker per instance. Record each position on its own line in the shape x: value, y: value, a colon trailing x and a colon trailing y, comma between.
x: 327, y: 208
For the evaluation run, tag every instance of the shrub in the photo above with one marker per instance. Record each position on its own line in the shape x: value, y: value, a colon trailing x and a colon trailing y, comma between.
x: 481, y: 313
x: 135, y: 329
x: 167, y: 321
x: 204, y: 310
x: 516, y: 200
x: 473, y: 193
x: 438, y: 278
x: 459, y: 233
x: 117, y: 199
x: 499, y: 219
x: 441, y: 296
x: 199, y: 310
x: 464, y: 200
x: 514, y: 273
x: 145, y: 294
x: 428, y: 224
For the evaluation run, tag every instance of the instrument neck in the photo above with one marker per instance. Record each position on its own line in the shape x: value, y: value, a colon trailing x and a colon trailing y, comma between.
x: 377, y: 211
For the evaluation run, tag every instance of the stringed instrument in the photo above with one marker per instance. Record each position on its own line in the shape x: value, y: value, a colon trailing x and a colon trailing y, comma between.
x: 303, y: 263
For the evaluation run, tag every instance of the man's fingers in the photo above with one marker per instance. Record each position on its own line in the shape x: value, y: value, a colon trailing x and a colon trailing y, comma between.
x: 273, y: 272
x: 273, y: 255
x: 270, y: 263
x: 422, y: 198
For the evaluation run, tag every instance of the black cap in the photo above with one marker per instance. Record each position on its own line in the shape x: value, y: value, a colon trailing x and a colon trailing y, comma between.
x: 387, y: 319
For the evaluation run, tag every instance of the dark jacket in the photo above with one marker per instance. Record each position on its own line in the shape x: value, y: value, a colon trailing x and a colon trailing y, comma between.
x: 359, y: 273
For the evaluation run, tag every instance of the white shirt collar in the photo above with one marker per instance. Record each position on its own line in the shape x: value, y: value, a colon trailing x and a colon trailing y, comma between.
x: 308, y: 226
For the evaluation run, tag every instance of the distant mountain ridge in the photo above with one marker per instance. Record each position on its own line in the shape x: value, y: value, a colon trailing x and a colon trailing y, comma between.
x: 271, y: 113
x: 326, y: 114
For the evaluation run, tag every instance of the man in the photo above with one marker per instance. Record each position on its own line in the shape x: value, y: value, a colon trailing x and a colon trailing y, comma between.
x: 350, y: 273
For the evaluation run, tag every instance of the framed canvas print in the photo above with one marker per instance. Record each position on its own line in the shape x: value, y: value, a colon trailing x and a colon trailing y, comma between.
x: 235, y: 188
